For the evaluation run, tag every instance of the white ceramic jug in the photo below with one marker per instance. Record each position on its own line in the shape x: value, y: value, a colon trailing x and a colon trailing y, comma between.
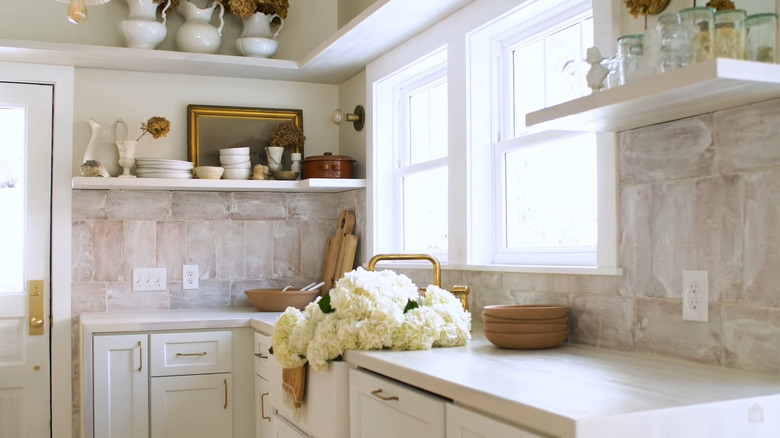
x: 197, y: 34
x: 141, y: 30
x: 256, y: 36
x: 102, y: 145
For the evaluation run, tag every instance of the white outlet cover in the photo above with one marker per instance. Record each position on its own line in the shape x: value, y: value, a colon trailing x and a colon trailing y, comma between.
x: 189, y: 277
x: 695, y: 296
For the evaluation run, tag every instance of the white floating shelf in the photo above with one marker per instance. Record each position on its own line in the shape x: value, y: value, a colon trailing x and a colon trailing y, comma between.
x: 696, y: 89
x: 323, y: 185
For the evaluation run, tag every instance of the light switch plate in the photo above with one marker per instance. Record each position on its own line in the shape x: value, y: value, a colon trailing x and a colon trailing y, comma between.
x: 149, y: 279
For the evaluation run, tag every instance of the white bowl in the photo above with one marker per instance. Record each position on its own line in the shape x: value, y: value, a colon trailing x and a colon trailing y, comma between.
x: 258, y: 47
x: 244, y: 165
x: 233, y: 159
x: 236, y: 173
x: 209, y: 172
x: 234, y: 151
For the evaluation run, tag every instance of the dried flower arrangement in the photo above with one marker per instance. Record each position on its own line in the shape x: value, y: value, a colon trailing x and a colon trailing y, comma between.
x: 721, y: 5
x: 645, y: 7
x: 288, y: 134
x: 245, y: 8
x: 162, y: 3
x: 156, y: 126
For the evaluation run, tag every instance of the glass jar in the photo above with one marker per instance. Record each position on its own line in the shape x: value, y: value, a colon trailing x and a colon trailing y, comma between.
x: 698, y: 26
x: 761, y: 37
x: 730, y: 34
x: 630, y: 49
x: 673, y: 44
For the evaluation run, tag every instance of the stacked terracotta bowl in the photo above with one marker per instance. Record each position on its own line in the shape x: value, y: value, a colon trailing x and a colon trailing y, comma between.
x: 526, y: 326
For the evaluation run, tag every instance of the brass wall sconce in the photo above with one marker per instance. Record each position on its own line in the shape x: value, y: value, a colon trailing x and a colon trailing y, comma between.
x: 357, y: 118
x: 77, y: 9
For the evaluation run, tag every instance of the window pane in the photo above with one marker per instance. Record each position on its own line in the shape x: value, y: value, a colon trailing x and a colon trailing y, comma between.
x: 12, y: 132
x: 551, y: 194
x: 425, y: 210
x: 428, y: 124
x: 528, y: 76
x: 563, y: 46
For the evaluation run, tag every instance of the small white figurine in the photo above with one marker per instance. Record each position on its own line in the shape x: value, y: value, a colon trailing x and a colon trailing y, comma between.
x: 597, y: 72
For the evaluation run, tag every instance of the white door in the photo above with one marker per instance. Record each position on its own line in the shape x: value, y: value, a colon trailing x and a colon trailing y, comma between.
x: 25, y: 195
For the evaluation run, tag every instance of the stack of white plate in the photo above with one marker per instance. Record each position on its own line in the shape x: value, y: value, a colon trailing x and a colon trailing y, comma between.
x: 162, y: 168
x: 236, y: 163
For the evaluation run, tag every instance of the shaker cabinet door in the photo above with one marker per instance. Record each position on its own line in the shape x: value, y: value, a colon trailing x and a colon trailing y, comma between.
x: 197, y: 406
x: 120, y: 379
x: 463, y: 423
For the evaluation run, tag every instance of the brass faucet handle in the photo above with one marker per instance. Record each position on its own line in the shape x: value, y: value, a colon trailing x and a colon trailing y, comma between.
x: 461, y: 292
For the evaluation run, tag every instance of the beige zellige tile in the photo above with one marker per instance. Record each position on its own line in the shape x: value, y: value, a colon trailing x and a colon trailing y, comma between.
x: 139, y: 204
x: 762, y: 238
x: 258, y: 206
x: 172, y: 247
x: 672, y: 234
x: 202, y: 247
x: 718, y: 216
x: 230, y: 257
x: 602, y: 321
x: 89, y: 204
x: 108, y: 255
x: 486, y: 279
x: 636, y: 244
x: 746, y: 136
x: 521, y: 281
x: 258, y: 249
x: 140, y: 249
x: 200, y: 205
x: 287, y: 249
x: 211, y: 294
x: 314, y: 240
x: 87, y: 297
x: 661, y: 329
x: 541, y: 298
x: 679, y: 149
x: 309, y: 206
x: 81, y: 251
x: 120, y: 297
x: 750, y: 338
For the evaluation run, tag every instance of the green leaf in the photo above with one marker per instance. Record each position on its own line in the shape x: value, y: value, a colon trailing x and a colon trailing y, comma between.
x: 325, y: 304
x: 411, y: 305
x: 271, y: 351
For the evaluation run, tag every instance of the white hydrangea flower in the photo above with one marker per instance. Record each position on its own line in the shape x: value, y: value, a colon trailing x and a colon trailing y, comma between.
x: 368, y: 314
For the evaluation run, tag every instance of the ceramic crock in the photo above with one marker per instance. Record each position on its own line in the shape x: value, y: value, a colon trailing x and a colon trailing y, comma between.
x: 328, y: 166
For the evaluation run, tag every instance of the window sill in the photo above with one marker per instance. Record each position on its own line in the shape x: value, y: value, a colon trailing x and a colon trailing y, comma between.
x: 560, y: 270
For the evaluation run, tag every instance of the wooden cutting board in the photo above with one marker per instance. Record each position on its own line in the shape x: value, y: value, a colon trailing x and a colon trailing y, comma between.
x: 337, y: 251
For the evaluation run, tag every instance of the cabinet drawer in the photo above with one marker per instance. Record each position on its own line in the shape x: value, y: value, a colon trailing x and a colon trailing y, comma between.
x: 174, y: 354
x: 262, y: 356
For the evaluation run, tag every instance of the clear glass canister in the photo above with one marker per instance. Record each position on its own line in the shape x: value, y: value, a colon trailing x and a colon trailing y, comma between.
x: 698, y: 26
x: 761, y: 37
x: 730, y: 33
x: 630, y: 49
x: 673, y: 44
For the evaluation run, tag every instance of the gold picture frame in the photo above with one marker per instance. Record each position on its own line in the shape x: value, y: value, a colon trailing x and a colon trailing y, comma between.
x: 211, y: 128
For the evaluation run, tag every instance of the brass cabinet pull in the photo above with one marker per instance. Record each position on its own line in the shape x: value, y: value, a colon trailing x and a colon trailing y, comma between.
x: 262, y: 407
x: 378, y: 393
x: 261, y: 356
x: 191, y: 354
x: 140, y: 357
x: 225, y: 393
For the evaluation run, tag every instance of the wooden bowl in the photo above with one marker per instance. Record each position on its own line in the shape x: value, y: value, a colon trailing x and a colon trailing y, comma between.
x: 526, y: 341
x: 518, y: 311
x: 510, y: 327
x: 276, y: 300
x: 561, y: 320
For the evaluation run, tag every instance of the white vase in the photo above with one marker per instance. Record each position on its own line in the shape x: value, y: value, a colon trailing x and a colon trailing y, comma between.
x: 197, y: 34
x: 126, y: 150
x: 101, y: 145
x: 141, y: 30
x: 274, y: 155
x: 256, y: 37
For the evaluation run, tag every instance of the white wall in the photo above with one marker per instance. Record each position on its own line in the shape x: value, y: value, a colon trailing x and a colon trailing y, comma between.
x: 107, y: 95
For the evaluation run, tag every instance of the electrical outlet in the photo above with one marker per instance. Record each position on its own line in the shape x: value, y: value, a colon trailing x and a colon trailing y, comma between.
x: 695, y: 296
x: 189, y: 277
x: 149, y: 279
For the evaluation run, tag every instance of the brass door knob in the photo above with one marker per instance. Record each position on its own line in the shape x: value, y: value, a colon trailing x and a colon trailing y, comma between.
x: 36, y: 322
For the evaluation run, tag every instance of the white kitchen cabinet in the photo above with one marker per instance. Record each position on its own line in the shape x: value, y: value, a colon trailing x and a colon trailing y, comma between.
x: 121, y: 385
x: 263, y: 410
x: 283, y: 429
x: 197, y: 406
x: 382, y: 408
x: 463, y: 423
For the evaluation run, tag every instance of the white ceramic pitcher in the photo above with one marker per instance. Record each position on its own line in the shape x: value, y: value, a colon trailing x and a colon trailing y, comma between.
x: 197, y: 34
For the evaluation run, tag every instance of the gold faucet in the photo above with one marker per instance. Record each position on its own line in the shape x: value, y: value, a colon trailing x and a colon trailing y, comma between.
x: 459, y: 291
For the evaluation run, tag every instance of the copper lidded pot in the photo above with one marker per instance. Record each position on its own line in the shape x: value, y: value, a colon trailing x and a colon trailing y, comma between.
x: 328, y: 166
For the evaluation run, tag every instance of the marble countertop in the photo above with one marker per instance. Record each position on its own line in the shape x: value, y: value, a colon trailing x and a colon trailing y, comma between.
x: 565, y: 391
